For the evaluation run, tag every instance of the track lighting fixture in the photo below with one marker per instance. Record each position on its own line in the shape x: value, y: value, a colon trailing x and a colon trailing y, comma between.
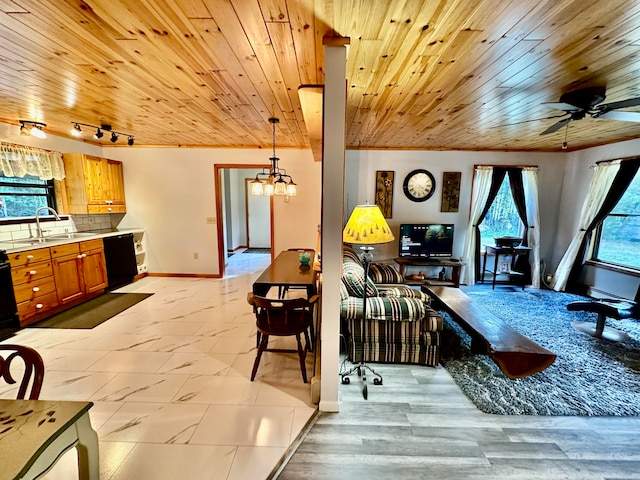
x: 274, y: 180
x: 35, y: 129
x: 100, y: 129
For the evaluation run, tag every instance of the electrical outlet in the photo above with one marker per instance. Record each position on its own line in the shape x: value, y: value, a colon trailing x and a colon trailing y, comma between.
x: 211, y: 220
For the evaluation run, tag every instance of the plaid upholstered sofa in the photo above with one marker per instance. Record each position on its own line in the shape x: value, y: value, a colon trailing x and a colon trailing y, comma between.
x: 400, y: 326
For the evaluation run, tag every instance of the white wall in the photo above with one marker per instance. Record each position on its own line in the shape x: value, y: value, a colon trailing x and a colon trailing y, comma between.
x: 360, y: 187
x: 170, y: 193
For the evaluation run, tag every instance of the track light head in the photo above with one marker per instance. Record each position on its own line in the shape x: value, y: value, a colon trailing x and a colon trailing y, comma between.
x: 98, y: 135
x: 35, y: 129
x: 114, y: 137
x: 76, y: 131
x: 130, y: 141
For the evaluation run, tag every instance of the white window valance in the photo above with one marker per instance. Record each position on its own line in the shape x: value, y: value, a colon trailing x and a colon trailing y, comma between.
x: 20, y: 160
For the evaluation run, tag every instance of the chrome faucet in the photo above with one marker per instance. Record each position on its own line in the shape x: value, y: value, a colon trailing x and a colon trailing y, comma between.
x: 39, y: 231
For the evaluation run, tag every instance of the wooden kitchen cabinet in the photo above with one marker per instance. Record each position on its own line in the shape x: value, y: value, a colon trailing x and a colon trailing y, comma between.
x: 79, y: 270
x: 33, y: 284
x: 93, y: 184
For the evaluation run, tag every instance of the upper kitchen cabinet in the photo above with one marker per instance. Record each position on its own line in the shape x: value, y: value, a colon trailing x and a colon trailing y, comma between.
x: 93, y: 184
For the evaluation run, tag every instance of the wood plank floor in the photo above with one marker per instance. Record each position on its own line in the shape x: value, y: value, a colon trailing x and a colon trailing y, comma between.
x: 419, y: 425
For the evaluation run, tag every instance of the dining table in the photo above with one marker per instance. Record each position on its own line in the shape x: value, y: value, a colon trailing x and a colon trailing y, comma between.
x: 286, y: 271
x: 34, y: 434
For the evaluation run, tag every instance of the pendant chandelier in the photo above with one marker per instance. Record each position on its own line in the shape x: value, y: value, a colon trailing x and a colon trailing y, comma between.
x: 275, y: 181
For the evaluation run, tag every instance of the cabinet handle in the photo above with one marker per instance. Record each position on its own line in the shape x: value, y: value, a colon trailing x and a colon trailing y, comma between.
x: 79, y: 257
x: 109, y: 208
x: 84, y: 255
x: 32, y: 272
x: 29, y: 257
x: 36, y: 289
x: 39, y: 305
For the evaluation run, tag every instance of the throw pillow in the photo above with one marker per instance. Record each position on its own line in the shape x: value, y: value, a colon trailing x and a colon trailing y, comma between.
x: 381, y: 273
x: 353, y: 278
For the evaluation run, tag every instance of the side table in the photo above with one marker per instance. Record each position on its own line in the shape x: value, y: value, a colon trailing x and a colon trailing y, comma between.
x: 497, y: 252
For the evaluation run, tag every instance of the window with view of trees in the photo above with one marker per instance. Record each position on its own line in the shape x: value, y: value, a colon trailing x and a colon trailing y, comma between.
x: 21, y: 197
x: 502, y: 218
x: 617, y: 239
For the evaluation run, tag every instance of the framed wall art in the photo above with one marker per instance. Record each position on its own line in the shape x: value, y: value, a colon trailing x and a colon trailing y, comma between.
x: 384, y: 192
x: 450, y: 191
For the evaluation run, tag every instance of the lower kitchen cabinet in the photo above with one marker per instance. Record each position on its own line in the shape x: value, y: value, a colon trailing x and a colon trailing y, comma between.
x: 79, y: 270
x: 33, y: 284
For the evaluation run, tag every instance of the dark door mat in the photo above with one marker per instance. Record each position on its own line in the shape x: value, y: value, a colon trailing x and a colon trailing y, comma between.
x: 257, y: 250
x: 92, y: 313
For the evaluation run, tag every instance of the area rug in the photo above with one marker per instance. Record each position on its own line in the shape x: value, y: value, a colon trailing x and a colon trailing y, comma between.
x: 589, y: 377
x: 93, y: 312
x: 257, y: 250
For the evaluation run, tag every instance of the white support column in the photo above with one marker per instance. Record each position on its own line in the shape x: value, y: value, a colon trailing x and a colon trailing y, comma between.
x: 335, y: 58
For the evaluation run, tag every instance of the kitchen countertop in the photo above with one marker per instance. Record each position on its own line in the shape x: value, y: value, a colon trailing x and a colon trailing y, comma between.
x: 13, y: 246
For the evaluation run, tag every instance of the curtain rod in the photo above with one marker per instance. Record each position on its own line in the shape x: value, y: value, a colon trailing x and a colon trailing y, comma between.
x: 617, y: 160
x: 506, y: 166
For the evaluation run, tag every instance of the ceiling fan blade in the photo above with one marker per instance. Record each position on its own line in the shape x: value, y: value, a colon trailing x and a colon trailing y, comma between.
x: 622, y: 116
x: 557, y: 126
x: 629, y: 102
x: 567, y: 107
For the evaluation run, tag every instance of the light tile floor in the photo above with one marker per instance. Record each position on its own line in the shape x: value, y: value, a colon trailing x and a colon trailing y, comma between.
x: 169, y: 378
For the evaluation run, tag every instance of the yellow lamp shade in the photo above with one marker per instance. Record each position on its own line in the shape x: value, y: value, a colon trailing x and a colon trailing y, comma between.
x: 367, y: 226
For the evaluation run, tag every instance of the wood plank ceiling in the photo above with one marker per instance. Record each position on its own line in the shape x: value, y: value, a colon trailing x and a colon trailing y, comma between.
x: 422, y: 74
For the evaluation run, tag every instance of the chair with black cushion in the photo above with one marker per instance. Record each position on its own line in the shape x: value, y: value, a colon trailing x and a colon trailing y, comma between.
x: 282, y: 318
x: 31, y: 369
x: 618, y: 309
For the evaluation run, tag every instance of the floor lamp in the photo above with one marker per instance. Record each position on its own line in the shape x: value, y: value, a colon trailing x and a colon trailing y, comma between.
x: 366, y: 227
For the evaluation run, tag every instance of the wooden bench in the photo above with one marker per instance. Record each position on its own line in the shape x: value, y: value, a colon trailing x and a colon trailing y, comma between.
x: 516, y: 355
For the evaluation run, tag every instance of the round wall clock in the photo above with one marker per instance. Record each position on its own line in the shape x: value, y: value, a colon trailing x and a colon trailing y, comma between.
x: 419, y: 185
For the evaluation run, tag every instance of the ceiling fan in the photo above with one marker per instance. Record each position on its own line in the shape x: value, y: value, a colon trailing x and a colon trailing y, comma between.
x: 577, y: 104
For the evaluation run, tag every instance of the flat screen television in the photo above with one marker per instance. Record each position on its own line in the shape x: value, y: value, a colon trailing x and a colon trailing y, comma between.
x: 426, y: 240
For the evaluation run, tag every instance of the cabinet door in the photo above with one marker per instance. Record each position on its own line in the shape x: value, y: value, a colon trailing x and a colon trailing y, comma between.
x: 96, y: 179
x: 94, y: 271
x: 67, y: 271
x: 116, y: 183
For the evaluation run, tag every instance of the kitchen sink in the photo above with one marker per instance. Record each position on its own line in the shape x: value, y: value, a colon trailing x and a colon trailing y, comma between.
x: 64, y: 236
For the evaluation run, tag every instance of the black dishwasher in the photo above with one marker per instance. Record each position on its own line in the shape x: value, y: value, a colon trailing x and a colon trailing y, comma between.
x: 120, y: 257
x: 9, y: 321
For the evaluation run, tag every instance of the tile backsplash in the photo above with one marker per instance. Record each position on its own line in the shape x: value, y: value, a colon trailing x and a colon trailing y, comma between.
x: 74, y: 223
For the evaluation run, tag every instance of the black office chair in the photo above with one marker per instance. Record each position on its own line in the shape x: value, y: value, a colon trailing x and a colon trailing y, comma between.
x: 606, y: 308
x: 32, y: 365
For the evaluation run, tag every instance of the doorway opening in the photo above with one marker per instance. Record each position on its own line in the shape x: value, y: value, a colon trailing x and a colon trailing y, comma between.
x: 245, y: 221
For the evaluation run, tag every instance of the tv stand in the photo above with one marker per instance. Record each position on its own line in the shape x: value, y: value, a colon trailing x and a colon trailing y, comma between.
x: 451, y: 267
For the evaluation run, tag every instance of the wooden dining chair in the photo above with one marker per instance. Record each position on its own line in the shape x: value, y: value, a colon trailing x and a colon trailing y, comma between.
x: 33, y: 372
x: 282, y: 317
